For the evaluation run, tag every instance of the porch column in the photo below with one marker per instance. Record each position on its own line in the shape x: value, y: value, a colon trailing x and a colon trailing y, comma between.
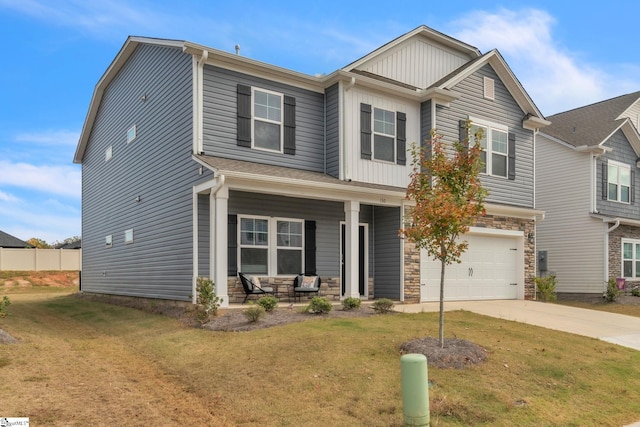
x: 219, y: 202
x: 351, y: 247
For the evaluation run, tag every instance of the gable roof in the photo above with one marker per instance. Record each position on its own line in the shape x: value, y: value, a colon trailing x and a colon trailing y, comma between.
x: 593, y: 124
x: 513, y: 85
x: 8, y: 241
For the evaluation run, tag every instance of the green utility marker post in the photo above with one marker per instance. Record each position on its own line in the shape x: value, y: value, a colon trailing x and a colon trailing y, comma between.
x: 415, y: 389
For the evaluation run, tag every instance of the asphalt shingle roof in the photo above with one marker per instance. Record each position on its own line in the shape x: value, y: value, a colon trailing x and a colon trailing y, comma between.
x: 8, y: 241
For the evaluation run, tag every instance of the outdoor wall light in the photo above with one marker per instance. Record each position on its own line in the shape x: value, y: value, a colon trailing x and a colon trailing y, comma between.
x: 530, y: 237
x: 138, y: 199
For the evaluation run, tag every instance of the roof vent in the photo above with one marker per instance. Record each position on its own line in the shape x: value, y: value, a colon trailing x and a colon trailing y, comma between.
x: 489, y: 88
x: 237, y: 49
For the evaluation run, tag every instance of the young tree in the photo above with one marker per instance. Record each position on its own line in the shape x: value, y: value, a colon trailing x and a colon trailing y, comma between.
x: 38, y: 243
x: 448, y: 197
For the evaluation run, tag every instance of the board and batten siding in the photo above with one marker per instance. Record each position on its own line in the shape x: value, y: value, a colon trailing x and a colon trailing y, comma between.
x: 633, y: 113
x: 387, y: 252
x: 503, y: 110
x: 333, y: 131
x: 574, y: 240
x: 375, y: 171
x: 220, y: 121
x: 418, y: 61
x: 156, y: 166
x: 622, y: 152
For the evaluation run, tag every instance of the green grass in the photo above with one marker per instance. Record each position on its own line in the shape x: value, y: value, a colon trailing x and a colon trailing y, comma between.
x: 316, y: 373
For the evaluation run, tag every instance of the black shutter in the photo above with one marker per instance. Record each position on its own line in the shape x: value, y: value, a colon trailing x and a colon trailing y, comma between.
x: 310, y: 248
x: 511, y: 163
x: 365, y: 131
x: 605, y: 181
x: 632, y: 190
x: 463, y: 133
x: 232, y: 245
x: 401, y: 140
x: 289, y: 125
x: 244, y: 116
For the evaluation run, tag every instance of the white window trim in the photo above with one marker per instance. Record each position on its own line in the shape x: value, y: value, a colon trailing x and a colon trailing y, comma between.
x: 272, y: 245
x: 633, y: 259
x: 253, y: 119
x: 132, y: 134
x: 374, y: 133
x: 128, y: 233
x: 619, y: 165
x: 490, y: 126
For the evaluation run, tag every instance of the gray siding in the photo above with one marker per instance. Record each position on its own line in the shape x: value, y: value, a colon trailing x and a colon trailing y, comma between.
x: 623, y: 153
x: 203, y: 235
x: 387, y: 260
x: 326, y: 214
x: 220, y: 121
x: 333, y: 131
x: 505, y: 111
x: 156, y: 166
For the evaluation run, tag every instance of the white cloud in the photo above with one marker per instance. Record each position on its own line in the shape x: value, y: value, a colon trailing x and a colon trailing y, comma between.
x: 555, y: 79
x: 6, y: 197
x: 60, y: 180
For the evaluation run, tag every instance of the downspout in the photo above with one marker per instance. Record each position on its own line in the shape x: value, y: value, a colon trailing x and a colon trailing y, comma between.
x: 606, y: 253
x: 200, y: 101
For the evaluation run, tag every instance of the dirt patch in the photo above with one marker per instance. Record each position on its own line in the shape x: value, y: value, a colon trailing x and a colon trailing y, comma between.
x: 5, y: 338
x: 26, y: 279
x: 456, y: 353
x: 236, y: 321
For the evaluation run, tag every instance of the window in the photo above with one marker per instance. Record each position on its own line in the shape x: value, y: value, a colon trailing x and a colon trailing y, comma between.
x: 131, y: 134
x: 384, y: 134
x: 128, y: 236
x: 631, y: 258
x: 495, y: 147
x: 108, y: 153
x: 267, y: 120
x: 618, y: 182
x: 271, y: 246
x: 108, y: 240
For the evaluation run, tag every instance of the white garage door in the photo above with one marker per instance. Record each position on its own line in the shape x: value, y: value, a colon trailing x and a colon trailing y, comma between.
x: 488, y: 271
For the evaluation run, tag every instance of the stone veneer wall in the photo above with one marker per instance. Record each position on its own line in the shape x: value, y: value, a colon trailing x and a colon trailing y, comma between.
x: 412, y: 256
x: 615, y: 250
x: 330, y: 288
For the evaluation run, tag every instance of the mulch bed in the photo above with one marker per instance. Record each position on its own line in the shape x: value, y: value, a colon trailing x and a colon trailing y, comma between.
x: 456, y: 353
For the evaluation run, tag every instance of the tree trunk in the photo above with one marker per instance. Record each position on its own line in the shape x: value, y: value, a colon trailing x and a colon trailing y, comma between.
x: 442, y: 266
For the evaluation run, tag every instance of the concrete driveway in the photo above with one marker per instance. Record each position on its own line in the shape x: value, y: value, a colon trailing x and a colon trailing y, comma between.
x: 614, y: 328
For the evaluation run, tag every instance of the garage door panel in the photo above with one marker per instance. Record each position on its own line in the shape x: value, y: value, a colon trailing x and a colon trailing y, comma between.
x: 488, y: 270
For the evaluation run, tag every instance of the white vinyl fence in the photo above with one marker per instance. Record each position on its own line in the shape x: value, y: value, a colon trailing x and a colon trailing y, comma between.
x: 23, y: 259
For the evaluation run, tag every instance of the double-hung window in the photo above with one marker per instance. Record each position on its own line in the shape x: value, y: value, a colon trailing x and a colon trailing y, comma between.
x: 384, y: 135
x: 618, y: 182
x: 495, y: 148
x: 267, y: 120
x: 631, y: 258
x: 271, y: 246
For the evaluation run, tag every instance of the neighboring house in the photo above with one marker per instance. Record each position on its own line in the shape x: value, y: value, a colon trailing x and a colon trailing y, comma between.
x: 8, y: 241
x: 76, y: 244
x: 586, y: 182
x: 198, y: 162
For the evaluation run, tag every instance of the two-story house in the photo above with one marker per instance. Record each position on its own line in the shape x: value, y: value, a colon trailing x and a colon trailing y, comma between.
x: 586, y: 163
x: 198, y: 162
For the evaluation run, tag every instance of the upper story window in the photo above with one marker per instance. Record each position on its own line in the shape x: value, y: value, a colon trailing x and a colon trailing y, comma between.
x: 498, y: 149
x: 108, y: 153
x: 619, y: 182
x: 383, y: 135
x: 131, y: 134
x: 266, y: 120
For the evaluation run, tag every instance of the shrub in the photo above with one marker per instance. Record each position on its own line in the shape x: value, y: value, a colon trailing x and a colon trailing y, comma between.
x: 635, y: 292
x: 350, y: 303
x: 319, y: 305
x: 207, y: 299
x: 3, y: 306
x: 254, y: 313
x: 382, y: 306
x: 546, y: 288
x: 268, y: 303
x: 612, y: 292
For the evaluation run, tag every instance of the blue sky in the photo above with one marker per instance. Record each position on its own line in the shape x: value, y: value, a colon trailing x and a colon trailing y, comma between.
x: 55, y: 51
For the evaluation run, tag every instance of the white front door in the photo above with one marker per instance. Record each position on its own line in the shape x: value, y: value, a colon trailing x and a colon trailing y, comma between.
x: 489, y: 270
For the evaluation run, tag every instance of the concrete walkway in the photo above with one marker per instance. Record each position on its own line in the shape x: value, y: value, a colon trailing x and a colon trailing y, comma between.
x: 614, y: 328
